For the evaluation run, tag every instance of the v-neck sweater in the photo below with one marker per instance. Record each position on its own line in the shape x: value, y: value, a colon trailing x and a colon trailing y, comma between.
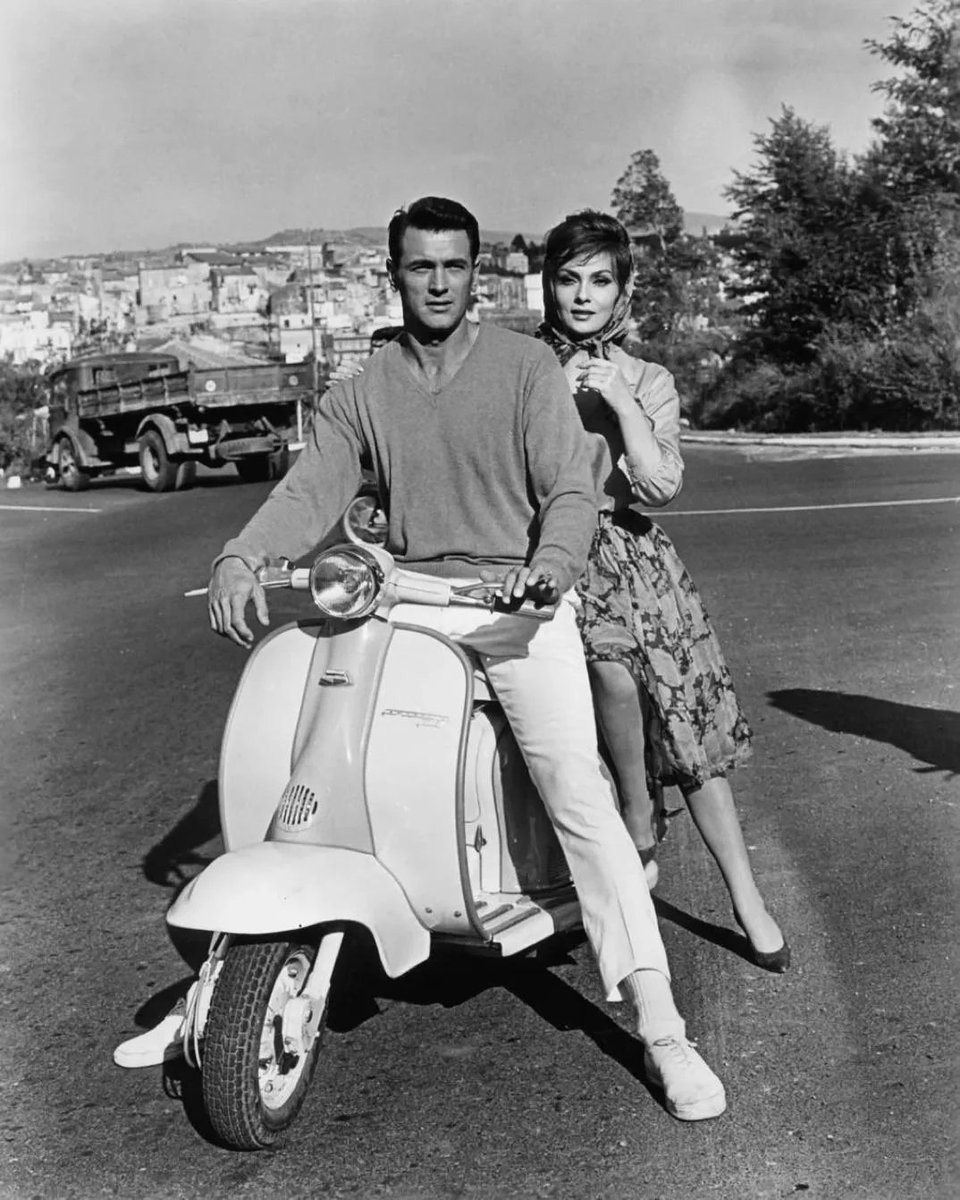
x: 492, y: 470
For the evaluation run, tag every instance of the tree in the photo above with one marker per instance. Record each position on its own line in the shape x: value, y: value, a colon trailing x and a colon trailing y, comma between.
x: 642, y: 196
x: 915, y: 159
x: 795, y: 212
x: 849, y: 270
x: 919, y: 142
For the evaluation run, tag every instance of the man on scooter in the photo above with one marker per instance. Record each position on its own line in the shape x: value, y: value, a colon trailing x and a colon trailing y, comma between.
x: 484, y: 471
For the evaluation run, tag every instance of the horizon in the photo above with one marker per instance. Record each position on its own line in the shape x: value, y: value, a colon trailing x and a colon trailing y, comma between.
x: 205, y: 122
x: 486, y: 235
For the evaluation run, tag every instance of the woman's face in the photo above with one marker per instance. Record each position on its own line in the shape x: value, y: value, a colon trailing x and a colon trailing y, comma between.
x: 586, y: 291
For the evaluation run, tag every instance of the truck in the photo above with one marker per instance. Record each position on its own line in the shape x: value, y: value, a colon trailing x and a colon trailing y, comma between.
x: 140, y: 412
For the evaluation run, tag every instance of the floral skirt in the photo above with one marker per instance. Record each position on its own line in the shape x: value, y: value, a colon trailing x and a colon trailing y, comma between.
x: 642, y: 609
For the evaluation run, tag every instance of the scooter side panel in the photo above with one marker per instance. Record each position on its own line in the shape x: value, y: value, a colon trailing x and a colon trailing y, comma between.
x: 511, y: 844
x: 258, y: 740
x: 275, y: 886
x: 324, y: 802
x: 413, y: 772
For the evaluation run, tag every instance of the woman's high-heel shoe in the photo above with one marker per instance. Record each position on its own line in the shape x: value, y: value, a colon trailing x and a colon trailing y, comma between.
x: 776, y: 961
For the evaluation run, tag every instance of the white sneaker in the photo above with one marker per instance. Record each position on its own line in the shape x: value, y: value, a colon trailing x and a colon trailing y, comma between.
x: 158, y: 1045
x: 691, y: 1090
x: 651, y: 873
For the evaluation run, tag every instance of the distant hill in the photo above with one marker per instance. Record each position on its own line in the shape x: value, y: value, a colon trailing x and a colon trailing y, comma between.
x: 376, y: 235
x: 372, y: 235
x: 696, y: 222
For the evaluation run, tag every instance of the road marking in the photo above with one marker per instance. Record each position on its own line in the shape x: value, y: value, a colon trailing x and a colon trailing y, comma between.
x: 45, y: 508
x: 725, y: 512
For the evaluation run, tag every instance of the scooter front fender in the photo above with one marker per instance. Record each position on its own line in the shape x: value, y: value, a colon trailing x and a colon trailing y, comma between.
x: 276, y: 886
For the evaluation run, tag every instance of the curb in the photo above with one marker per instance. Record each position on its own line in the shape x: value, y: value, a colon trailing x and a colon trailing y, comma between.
x: 851, y: 441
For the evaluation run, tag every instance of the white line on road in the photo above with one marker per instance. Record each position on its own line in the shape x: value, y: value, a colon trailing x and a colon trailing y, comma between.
x: 724, y: 512
x: 45, y: 508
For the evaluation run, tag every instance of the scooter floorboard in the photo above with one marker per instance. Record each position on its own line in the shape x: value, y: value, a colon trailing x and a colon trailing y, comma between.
x: 513, y: 923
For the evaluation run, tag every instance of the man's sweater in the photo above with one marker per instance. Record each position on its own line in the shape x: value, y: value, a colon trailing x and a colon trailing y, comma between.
x: 491, y: 471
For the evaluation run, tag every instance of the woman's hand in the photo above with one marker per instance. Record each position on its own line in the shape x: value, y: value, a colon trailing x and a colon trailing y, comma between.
x: 349, y: 369
x: 601, y: 375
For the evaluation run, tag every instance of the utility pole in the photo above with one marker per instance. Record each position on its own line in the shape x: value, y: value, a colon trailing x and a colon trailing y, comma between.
x: 313, y: 321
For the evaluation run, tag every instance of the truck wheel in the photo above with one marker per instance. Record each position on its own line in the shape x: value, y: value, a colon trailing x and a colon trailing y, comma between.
x: 255, y: 469
x: 253, y: 1086
x: 279, y: 463
x: 159, y: 473
x: 186, y: 475
x: 72, y: 478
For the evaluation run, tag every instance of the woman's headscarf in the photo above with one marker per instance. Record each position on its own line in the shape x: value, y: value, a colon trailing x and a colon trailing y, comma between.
x: 598, y: 344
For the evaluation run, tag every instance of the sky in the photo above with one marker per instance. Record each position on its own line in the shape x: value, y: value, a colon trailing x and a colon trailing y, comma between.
x: 135, y: 124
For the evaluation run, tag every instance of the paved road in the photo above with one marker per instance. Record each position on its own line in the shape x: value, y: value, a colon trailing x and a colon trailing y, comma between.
x: 842, y: 625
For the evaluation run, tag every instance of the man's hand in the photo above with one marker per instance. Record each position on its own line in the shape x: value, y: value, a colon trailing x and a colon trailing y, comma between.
x: 232, y: 586
x: 522, y: 583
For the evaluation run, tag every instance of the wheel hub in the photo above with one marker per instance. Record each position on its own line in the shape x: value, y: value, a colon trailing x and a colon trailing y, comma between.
x: 284, y: 1042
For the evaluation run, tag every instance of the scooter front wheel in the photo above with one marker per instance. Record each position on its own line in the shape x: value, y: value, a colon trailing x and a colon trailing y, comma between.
x: 257, y: 1060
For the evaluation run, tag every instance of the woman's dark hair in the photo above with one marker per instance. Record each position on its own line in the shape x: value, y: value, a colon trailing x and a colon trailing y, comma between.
x: 433, y: 214
x: 583, y: 234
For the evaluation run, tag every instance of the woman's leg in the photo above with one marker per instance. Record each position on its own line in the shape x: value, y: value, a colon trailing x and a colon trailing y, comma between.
x: 715, y: 816
x: 619, y: 712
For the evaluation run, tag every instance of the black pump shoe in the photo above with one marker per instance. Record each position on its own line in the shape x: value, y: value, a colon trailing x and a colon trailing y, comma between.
x: 775, y: 961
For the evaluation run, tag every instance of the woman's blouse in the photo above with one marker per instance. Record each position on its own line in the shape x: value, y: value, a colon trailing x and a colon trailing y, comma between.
x: 618, y: 483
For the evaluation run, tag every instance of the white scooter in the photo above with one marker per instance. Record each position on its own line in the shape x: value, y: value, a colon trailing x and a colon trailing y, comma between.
x: 367, y: 777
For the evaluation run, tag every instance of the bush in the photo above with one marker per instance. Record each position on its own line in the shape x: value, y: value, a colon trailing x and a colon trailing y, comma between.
x: 21, y: 391
x: 695, y: 360
x: 908, y: 381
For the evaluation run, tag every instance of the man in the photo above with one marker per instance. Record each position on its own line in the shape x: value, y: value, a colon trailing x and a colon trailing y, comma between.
x: 483, y: 465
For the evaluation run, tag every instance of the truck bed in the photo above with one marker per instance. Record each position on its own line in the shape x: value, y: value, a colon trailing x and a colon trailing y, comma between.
x: 233, y: 387
x: 218, y: 387
x: 142, y: 396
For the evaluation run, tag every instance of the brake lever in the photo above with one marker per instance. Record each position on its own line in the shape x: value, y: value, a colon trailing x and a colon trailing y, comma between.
x: 276, y: 575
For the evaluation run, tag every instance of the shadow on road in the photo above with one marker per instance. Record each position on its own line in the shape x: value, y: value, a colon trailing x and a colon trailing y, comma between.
x: 719, y: 935
x: 930, y: 735
x: 174, y: 860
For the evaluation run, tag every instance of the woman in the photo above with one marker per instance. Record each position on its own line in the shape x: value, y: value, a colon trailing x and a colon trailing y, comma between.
x: 664, y: 698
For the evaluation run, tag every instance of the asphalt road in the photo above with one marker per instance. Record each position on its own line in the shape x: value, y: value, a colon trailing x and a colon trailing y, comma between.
x: 836, y: 591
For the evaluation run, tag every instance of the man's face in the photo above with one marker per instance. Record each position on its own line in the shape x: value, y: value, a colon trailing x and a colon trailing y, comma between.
x: 435, y: 276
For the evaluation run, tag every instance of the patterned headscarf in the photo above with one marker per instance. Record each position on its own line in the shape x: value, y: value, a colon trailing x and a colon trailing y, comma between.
x: 597, y: 345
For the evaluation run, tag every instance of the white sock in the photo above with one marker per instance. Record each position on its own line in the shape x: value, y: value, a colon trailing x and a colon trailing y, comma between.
x: 657, y: 1015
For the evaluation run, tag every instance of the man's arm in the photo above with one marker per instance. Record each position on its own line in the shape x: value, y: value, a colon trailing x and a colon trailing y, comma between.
x: 293, y: 519
x: 559, y: 467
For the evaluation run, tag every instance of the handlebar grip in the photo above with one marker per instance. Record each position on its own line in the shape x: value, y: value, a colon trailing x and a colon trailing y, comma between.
x: 537, y: 612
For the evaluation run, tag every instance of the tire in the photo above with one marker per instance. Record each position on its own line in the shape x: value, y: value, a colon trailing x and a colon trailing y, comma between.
x: 158, y: 470
x: 252, y: 1091
x: 279, y: 463
x: 257, y: 468
x: 69, y: 473
x: 186, y: 475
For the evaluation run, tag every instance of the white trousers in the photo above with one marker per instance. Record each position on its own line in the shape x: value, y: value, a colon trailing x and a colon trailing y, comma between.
x: 539, y: 674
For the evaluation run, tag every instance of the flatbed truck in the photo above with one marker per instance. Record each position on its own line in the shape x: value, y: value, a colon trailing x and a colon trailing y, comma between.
x: 141, y: 413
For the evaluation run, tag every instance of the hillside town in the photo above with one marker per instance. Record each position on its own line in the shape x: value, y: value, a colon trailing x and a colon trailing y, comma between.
x: 288, y: 300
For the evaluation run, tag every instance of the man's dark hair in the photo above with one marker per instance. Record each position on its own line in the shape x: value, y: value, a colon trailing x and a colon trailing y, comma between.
x: 432, y: 214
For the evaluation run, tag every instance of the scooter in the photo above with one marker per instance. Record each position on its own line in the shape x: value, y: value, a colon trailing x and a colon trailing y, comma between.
x: 368, y: 777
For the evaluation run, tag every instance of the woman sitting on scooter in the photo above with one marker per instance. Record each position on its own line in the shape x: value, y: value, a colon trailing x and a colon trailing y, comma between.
x: 664, y: 698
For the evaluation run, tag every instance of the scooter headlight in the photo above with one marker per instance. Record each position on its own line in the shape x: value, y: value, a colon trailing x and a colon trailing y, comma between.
x: 346, y: 582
